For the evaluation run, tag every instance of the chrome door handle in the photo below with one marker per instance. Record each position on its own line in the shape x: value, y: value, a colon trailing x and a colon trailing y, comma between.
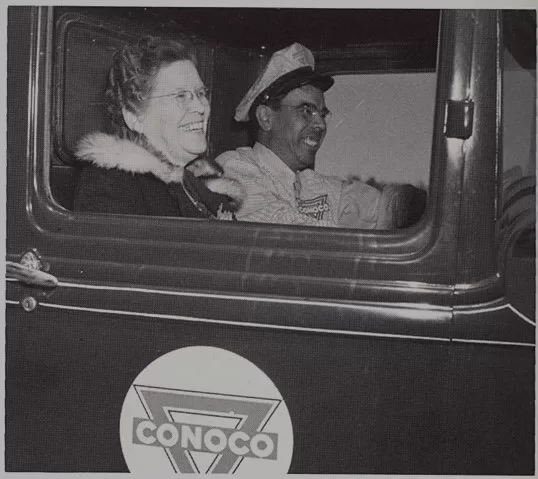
x: 30, y: 271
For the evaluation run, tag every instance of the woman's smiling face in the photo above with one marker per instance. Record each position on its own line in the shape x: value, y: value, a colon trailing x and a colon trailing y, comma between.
x: 176, y: 125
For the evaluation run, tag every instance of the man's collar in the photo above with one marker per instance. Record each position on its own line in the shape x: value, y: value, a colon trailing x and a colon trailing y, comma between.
x: 274, y: 165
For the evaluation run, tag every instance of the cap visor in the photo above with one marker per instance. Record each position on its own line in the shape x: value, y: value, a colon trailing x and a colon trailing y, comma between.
x: 297, y: 79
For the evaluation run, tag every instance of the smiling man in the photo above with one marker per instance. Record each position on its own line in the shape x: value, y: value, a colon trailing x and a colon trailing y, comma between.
x: 286, y: 106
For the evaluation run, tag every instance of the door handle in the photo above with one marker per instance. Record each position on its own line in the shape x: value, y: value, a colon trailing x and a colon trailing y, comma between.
x: 30, y: 271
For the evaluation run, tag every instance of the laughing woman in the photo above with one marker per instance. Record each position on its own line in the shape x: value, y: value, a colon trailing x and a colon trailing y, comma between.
x: 159, y: 109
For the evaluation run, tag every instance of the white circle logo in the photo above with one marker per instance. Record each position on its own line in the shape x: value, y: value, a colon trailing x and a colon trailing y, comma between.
x: 205, y: 410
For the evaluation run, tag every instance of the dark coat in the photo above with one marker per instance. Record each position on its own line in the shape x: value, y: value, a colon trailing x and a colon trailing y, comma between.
x: 116, y: 191
x: 123, y: 177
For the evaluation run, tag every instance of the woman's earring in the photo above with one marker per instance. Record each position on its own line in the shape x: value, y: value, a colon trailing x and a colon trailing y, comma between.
x: 138, y: 126
x: 132, y: 121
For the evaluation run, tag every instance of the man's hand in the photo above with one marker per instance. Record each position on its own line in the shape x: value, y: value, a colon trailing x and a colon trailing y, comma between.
x: 400, y: 206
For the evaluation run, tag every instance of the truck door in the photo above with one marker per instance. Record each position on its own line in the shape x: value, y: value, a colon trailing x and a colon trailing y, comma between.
x: 387, y: 352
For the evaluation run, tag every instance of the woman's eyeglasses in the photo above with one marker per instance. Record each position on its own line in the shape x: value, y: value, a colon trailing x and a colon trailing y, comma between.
x: 309, y: 112
x: 185, y: 97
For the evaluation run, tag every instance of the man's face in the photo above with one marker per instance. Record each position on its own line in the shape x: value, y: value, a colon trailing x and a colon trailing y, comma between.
x: 295, y: 136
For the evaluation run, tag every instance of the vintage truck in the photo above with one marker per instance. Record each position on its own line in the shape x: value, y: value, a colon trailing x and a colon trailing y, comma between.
x: 398, y: 352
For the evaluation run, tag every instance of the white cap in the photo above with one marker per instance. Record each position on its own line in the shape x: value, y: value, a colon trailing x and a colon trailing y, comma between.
x: 293, y: 67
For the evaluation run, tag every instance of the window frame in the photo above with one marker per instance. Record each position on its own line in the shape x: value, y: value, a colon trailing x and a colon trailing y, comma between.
x: 419, y: 264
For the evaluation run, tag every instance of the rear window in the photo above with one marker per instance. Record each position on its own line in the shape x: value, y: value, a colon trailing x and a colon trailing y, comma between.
x: 519, y: 95
x: 382, y: 127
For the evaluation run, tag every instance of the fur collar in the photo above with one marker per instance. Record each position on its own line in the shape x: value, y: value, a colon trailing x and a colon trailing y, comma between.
x: 108, y: 151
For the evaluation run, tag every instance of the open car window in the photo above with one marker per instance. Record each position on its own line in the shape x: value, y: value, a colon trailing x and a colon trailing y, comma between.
x: 383, y: 99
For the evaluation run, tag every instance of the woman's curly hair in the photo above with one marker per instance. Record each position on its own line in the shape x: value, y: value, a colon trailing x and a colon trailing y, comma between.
x: 131, y: 78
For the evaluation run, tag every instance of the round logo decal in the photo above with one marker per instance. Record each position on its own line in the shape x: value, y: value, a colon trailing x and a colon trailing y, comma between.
x: 205, y: 410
